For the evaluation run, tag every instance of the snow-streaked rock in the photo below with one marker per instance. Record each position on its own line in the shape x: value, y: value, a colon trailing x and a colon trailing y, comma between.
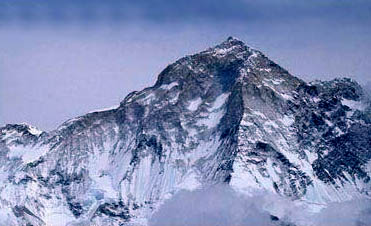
x: 225, y: 115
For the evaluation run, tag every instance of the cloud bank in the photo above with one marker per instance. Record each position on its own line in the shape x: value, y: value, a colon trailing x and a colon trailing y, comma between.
x: 119, y: 11
x: 222, y: 206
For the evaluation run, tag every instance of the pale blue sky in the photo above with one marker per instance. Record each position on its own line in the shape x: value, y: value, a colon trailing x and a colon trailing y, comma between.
x: 61, y: 59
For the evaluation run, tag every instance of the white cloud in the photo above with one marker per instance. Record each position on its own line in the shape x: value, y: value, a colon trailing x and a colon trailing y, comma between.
x: 222, y: 206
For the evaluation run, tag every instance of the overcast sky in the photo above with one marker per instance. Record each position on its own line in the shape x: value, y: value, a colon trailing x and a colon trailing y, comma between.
x: 61, y: 59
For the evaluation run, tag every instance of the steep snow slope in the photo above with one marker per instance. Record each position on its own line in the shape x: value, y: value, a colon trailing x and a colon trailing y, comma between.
x: 224, y: 115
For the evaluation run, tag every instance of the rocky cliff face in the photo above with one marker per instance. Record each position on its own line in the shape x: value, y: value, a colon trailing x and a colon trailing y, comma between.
x: 224, y: 115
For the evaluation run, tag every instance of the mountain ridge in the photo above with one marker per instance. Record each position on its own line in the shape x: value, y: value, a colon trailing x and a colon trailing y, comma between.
x: 224, y: 115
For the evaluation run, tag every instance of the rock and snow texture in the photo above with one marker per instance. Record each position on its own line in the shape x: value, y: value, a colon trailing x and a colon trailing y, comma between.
x: 225, y: 115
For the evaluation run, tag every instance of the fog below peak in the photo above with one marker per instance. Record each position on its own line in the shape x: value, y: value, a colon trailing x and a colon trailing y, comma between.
x: 222, y: 206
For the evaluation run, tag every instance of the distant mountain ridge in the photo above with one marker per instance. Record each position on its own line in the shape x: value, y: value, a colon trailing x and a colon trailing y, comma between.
x: 225, y: 115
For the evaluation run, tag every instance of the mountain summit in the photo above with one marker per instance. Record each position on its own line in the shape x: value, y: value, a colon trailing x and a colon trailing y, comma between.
x: 226, y: 115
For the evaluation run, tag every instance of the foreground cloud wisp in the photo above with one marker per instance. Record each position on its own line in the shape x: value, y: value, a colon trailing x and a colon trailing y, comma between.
x: 350, y: 213
x: 222, y: 206
x: 215, y: 206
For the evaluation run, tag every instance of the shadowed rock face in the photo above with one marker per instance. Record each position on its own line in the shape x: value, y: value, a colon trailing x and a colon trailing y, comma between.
x: 224, y: 115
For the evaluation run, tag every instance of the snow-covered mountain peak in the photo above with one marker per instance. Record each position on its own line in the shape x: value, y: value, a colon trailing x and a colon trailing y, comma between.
x: 226, y: 65
x: 19, y: 132
x: 224, y: 115
x: 231, y: 45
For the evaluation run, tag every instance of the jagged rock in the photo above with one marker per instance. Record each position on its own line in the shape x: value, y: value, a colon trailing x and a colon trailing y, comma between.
x: 224, y: 115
